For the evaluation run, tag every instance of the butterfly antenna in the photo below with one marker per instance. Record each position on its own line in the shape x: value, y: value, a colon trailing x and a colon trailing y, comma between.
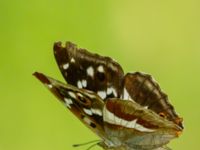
x: 82, y: 144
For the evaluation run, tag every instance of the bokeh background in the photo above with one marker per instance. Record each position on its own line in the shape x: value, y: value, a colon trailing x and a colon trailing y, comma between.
x: 161, y: 38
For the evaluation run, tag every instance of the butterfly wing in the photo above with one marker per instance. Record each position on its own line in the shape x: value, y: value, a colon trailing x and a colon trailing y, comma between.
x: 105, y: 77
x: 90, y: 71
x: 116, y: 121
x: 84, y: 104
x: 144, y: 90
x: 128, y: 123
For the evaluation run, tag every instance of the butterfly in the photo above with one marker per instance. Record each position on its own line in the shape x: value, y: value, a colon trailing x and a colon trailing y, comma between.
x: 126, y: 111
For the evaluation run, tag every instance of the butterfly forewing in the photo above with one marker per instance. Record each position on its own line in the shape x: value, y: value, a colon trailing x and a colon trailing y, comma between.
x: 86, y: 105
x: 90, y: 71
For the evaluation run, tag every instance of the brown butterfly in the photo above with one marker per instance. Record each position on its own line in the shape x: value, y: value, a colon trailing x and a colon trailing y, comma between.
x: 127, y: 112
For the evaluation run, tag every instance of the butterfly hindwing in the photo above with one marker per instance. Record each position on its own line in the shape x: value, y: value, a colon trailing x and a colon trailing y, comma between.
x: 144, y: 90
x: 90, y: 71
x: 130, y: 123
x: 86, y: 105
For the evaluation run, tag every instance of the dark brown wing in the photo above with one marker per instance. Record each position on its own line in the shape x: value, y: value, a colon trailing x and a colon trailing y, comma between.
x: 146, y: 92
x: 105, y: 77
x: 90, y: 71
x: 85, y: 105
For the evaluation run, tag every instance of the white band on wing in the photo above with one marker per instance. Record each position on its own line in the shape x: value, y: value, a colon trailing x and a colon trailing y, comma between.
x: 111, y: 118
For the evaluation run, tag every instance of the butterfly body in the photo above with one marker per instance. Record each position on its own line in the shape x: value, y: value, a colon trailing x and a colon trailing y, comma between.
x: 128, y: 112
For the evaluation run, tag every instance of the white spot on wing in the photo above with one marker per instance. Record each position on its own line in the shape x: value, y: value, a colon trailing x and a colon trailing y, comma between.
x: 79, y: 94
x: 49, y: 86
x: 102, y: 94
x: 72, y: 60
x: 96, y: 111
x: 100, y: 69
x: 114, y: 92
x: 79, y: 84
x: 87, y: 120
x: 68, y: 102
x: 87, y: 111
x: 109, y: 90
x: 90, y: 71
x: 113, y: 67
x: 71, y: 94
x: 126, y: 95
x: 84, y: 83
x: 90, y: 94
x: 65, y: 66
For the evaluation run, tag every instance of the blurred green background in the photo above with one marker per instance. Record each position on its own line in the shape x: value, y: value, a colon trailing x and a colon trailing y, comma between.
x: 161, y: 38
